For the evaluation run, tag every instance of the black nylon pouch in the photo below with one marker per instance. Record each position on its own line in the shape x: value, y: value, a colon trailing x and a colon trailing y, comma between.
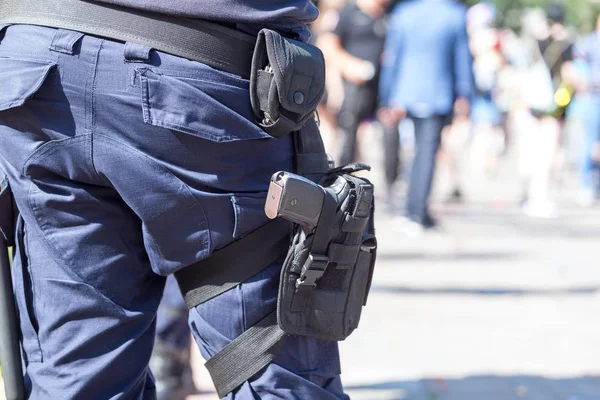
x: 287, y: 82
x: 331, y: 308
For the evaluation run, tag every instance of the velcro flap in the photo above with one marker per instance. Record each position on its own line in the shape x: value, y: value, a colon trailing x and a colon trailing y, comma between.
x: 354, y: 224
x: 364, y: 199
x: 342, y: 254
x: 299, y: 72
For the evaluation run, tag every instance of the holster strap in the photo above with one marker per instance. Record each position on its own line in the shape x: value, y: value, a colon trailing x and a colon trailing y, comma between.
x: 311, y: 158
x: 234, y: 264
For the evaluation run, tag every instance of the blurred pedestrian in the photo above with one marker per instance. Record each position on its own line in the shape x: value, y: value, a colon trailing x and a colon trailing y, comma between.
x: 587, y: 50
x: 543, y: 83
x: 329, y: 107
x: 355, y: 47
x: 170, y: 361
x: 488, y: 139
x: 426, y: 75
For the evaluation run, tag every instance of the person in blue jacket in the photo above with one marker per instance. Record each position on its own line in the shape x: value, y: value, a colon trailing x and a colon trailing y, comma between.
x: 426, y: 76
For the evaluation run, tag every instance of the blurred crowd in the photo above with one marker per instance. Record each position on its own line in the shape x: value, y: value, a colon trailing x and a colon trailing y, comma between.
x: 426, y: 84
x: 458, y: 90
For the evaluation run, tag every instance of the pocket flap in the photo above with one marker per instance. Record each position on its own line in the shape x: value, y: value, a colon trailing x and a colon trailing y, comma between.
x: 299, y: 69
x: 20, y: 80
x: 214, y: 110
x: 285, y: 95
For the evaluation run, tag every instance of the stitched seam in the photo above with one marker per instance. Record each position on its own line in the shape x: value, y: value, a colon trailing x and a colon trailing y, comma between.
x: 34, y: 206
x: 244, y: 319
x: 93, y: 105
x: 177, y: 73
x: 15, y: 55
x: 42, y: 225
x: 145, y: 95
x: 49, y: 148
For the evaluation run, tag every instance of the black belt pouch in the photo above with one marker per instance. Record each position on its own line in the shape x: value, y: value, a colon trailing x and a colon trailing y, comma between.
x: 287, y: 82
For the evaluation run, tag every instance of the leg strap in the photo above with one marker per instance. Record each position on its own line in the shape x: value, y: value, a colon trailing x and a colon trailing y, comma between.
x: 246, y: 355
x: 225, y: 269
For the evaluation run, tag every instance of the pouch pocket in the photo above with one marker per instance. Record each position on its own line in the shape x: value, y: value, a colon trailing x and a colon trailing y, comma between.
x: 204, y: 106
x: 20, y: 80
x: 287, y: 82
x: 361, y: 283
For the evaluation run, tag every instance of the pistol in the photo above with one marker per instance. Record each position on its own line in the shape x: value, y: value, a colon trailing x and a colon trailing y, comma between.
x: 295, y: 199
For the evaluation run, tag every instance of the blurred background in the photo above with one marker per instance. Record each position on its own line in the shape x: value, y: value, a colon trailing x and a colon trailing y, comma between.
x: 481, y: 121
x: 495, y: 293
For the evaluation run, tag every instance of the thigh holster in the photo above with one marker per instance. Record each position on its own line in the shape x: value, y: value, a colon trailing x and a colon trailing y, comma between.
x: 323, y: 232
x: 326, y: 273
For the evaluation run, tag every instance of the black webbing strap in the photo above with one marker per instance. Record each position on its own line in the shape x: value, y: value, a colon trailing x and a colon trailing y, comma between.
x: 233, y: 264
x: 317, y: 261
x: 311, y: 158
x: 246, y: 355
x: 218, y: 46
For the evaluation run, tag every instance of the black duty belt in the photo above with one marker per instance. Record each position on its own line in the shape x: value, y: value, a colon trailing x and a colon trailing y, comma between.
x: 218, y: 46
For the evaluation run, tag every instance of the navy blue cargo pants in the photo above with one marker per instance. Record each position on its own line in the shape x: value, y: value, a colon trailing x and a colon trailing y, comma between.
x: 126, y: 165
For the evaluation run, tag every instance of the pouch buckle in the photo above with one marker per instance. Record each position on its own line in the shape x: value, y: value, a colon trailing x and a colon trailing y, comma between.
x: 313, y: 270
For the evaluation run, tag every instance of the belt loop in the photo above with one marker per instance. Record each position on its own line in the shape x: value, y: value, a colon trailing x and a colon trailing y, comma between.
x: 64, y: 41
x: 135, y: 52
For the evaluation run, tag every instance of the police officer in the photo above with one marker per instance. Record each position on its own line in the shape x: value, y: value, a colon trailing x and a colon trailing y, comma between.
x: 128, y: 163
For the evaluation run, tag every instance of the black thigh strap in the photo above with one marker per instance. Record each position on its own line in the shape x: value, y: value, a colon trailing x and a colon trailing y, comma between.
x: 234, y: 264
x: 246, y: 355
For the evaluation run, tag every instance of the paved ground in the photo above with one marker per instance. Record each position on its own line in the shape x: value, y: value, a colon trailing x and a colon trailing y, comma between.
x: 495, y: 306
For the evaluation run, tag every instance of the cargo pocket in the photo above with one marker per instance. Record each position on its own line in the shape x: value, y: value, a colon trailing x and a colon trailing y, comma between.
x: 206, y: 104
x: 20, y: 79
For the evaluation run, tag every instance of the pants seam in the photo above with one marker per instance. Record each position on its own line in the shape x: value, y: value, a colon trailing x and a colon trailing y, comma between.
x: 92, y: 111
